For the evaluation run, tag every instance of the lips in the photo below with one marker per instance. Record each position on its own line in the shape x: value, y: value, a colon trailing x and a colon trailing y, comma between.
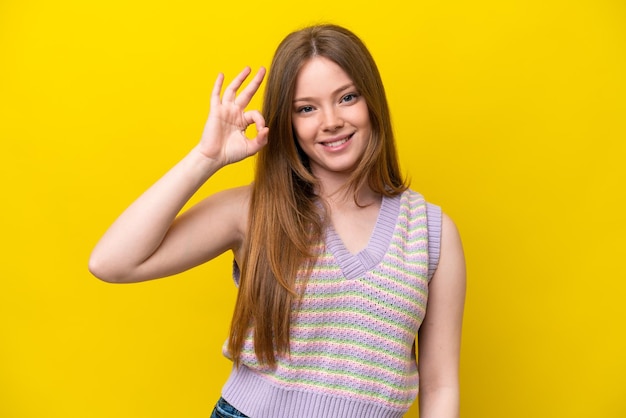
x: 335, y: 142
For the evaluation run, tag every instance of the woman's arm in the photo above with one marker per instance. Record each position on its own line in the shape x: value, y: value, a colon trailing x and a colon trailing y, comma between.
x: 439, y: 340
x: 148, y: 241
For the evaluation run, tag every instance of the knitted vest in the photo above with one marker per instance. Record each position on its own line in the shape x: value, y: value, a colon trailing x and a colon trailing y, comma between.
x: 353, y: 338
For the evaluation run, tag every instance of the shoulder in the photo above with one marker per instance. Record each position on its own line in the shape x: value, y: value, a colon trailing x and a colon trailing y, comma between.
x: 452, y: 258
x: 448, y: 225
x: 234, y: 201
x: 449, y: 231
x: 231, y: 204
x: 223, y: 214
x: 237, y: 196
x: 236, y: 204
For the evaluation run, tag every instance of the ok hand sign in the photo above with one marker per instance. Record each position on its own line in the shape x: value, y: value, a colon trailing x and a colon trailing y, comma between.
x: 224, y: 137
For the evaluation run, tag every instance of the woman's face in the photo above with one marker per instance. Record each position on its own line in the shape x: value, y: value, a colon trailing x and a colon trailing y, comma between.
x: 330, y: 118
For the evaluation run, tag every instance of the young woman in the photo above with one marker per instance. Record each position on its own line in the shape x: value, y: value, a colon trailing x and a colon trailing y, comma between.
x: 339, y: 264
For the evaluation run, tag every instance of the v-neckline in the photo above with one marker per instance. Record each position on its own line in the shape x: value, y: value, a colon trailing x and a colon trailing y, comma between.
x: 355, y: 265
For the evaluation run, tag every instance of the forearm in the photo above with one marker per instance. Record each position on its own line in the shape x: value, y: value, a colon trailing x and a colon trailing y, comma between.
x: 439, y: 403
x: 140, y: 229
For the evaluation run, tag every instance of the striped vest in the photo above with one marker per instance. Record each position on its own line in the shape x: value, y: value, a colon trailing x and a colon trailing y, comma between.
x: 353, y: 337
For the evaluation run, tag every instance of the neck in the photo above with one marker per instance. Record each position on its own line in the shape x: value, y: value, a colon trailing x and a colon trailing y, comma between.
x: 338, y: 195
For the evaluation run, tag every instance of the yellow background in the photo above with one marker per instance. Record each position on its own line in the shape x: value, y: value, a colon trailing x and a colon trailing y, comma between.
x: 509, y: 114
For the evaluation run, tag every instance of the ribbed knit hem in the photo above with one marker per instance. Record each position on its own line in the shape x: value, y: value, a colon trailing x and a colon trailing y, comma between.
x: 256, y: 397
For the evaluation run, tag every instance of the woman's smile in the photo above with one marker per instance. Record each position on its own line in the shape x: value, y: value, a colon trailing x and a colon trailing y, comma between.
x: 336, y: 142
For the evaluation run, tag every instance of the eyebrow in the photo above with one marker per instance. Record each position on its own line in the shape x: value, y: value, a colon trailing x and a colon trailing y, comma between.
x: 308, y: 99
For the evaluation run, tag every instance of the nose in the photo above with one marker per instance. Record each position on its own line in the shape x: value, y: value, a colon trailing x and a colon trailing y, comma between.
x: 332, y: 119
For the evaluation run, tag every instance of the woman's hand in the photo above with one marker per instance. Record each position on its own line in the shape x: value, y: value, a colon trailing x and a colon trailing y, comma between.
x: 224, y: 138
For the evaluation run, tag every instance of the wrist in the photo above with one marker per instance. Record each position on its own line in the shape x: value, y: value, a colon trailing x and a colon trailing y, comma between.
x: 200, y: 162
x: 196, y: 168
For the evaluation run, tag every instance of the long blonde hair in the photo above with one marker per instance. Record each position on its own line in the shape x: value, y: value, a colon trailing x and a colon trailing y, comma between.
x: 284, y: 218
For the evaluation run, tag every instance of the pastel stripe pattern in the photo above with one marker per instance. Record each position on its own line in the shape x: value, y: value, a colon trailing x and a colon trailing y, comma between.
x: 353, y: 337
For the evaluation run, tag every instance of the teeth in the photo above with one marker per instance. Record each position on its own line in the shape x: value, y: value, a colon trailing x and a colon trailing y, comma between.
x: 336, y: 143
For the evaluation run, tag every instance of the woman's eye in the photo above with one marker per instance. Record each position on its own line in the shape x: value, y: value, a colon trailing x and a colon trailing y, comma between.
x: 305, y: 109
x: 349, y: 97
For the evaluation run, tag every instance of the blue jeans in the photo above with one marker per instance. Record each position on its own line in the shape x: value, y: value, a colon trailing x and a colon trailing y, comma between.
x: 225, y: 410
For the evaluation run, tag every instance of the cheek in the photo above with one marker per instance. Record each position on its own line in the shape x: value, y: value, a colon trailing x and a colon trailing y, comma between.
x: 304, y: 129
x: 364, y: 116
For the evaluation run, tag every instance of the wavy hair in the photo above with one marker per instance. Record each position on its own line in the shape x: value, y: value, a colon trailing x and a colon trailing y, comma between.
x: 285, y: 218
